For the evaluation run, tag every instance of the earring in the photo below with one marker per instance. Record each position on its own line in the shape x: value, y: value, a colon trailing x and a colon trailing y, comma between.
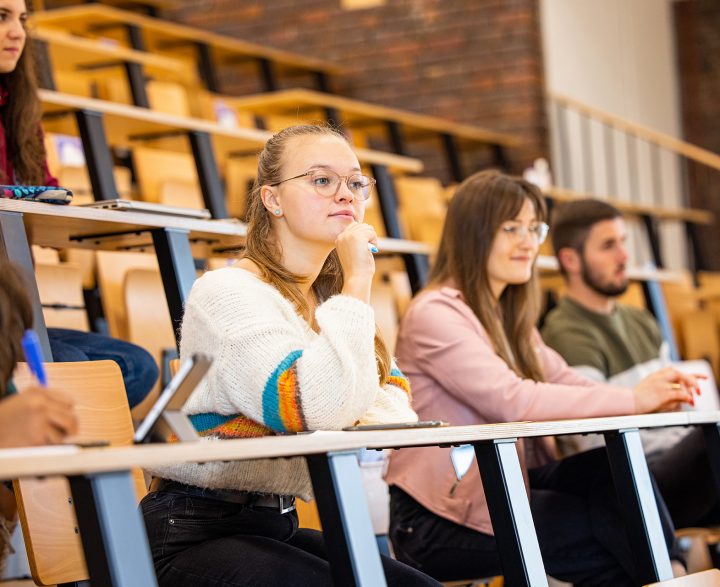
x: 277, y: 211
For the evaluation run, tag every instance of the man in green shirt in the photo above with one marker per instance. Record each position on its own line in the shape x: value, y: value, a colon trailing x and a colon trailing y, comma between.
x: 612, y: 342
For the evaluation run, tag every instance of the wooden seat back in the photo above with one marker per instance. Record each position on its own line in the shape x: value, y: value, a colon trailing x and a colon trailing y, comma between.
x: 46, y: 512
x: 154, y: 166
x: 710, y: 578
x: 148, y: 321
x: 61, y: 293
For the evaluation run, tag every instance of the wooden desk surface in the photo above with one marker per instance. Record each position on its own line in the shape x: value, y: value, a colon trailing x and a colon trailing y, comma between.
x: 126, y: 125
x: 299, y: 101
x: 56, y: 226
x: 72, y: 53
x: 172, y: 38
x: 548, y: 264
x: 693, y: 215
x: 64, y: 460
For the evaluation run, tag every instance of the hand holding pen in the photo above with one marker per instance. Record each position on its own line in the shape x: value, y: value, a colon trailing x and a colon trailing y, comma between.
x: 38, y: 415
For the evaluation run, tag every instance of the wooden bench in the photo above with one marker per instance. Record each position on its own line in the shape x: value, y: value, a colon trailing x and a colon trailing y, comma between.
x: 100, y: 124
x: 210, y: 50
x: 397, y: 125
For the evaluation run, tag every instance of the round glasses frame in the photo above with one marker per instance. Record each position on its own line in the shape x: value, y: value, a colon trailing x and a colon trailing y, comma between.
x: 362, y: 193
x: 538, y: 232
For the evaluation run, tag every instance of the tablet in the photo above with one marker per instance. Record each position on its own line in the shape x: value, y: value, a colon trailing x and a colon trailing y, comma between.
x: 397, y: 425
x: 150, y: 208
x: 171, y: 400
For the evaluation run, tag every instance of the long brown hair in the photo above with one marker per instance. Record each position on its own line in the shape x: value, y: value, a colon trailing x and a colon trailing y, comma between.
x: 15, y: 317
x: 477, y: 210
x: 21, y: 121
x: 263, y: 250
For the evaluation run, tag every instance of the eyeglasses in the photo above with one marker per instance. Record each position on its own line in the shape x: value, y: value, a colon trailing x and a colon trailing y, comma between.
x: 538, y: 232
x: 327, y: 183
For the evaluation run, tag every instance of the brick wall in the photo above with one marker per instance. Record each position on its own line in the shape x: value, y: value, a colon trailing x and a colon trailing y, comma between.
x: 698, y: 41
x: 476, y: 61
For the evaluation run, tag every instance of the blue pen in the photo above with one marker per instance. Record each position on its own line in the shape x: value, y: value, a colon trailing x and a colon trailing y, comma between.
x: 372, y: 248
x: 33, y: 356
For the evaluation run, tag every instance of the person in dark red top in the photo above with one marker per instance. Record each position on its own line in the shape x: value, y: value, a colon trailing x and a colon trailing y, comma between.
x: 23, y: 161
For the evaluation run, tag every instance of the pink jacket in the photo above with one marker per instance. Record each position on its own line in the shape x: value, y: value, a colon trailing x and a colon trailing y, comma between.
x: 456, y: 376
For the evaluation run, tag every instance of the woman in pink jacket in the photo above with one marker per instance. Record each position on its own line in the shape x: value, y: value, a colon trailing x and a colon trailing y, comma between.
x: 469, y: 346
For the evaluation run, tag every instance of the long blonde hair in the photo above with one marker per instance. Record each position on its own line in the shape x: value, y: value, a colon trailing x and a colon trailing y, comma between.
x: 477, y: 210
x: 262, y: 249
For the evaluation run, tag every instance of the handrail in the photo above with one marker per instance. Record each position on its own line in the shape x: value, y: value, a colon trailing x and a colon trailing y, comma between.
x: 666, y: 141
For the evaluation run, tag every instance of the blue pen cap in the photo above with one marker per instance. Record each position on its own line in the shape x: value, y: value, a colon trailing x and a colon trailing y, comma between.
x: 33, y: 355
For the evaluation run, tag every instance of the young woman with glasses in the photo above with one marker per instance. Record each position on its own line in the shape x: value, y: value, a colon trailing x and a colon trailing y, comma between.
x: 469, y: 346
x: 295, y: 348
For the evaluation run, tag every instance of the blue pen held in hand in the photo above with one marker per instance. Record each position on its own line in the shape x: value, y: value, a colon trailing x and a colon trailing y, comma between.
x: 372, y: 248
x: 33, y: 356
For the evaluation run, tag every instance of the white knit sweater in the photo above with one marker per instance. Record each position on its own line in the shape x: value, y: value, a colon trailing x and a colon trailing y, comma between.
x: 273, y: 373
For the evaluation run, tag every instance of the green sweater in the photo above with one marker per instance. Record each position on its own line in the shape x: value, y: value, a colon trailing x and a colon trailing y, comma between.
x: 621, y: 348
x: 614, y: 344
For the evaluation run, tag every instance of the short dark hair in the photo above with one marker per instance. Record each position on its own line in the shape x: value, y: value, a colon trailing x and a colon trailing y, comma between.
x: 572, y: 221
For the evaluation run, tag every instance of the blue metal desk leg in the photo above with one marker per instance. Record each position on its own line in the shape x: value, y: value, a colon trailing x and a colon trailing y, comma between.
x: 349, y: 539
x: 177, y: 269
x: 15, y: 247
x: 510, y: 513
x: 112, y: 531
x: 637, y: 505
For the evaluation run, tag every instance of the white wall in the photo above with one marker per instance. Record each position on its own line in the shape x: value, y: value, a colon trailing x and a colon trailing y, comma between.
x: 618, y: 56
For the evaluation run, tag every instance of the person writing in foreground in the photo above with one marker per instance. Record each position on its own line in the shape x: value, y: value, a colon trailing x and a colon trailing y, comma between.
x: 36, y: 417
x: 296, y: 348
x: 469, y: 346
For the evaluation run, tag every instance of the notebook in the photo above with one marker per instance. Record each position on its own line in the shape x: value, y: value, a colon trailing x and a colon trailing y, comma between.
x: 150, y: 208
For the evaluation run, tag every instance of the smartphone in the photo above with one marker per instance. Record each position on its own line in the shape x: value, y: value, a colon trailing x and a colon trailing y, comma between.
x: 174, y: 396
x: 398, y: 425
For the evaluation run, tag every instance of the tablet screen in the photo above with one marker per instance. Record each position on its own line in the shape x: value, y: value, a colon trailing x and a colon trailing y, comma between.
x: 174, y: 396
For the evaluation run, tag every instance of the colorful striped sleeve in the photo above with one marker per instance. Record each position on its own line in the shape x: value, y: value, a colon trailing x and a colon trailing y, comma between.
x: 398, y: 379
x: 234, y: 426
x: 282, y: 411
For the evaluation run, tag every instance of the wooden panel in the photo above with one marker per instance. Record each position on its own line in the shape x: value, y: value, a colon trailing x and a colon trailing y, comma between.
x: 62, y: 285
x: 153, y: 167
x: 710, y: 578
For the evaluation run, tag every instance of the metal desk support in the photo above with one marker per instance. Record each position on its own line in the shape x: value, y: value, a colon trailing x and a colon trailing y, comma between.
x: 177, y: 269
x: 14, y: 246
x: 112, y: 530
x: 415, y: 265
x: 212, y: 190
x: 351, y: 547
x: 712, y: 446
x: 97, y: 154
x: 510, y: 513
x: 637, y: 504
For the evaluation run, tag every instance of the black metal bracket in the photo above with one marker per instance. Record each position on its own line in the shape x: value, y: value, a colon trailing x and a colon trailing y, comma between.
x: 637, y: 505
x: 510, y: 514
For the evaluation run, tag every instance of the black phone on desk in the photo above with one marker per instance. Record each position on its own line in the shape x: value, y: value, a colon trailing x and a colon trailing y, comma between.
x: 398, y: 425
x: 165, y: 417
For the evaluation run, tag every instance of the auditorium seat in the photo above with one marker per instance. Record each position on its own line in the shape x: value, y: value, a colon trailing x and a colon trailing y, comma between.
x: 46, y: 508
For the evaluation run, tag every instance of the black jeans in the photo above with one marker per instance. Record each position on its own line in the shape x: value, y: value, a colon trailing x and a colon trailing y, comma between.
x: 683, y: 475
x: 577, y: 520
x: 197, y: 541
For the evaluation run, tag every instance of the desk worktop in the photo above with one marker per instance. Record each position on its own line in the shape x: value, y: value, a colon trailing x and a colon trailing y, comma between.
x: 171, y: 38
x: 64, y: 460
x: 127, y: 125
x: 60, y: 226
